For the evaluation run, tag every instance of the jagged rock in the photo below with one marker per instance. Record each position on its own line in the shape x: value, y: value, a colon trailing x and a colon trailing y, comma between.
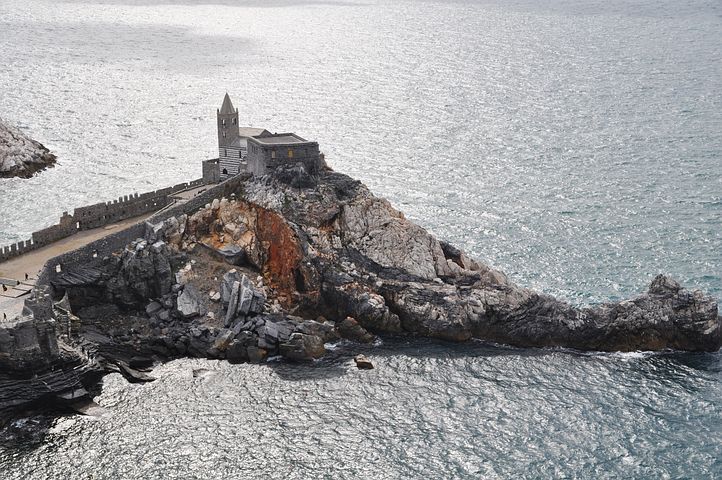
x: 300, y: 346
x: 243, y: 299
x: 153, y: 308
x: 21, y: 156
x: 362, y: 362
x: 351, y: 330
x: 325, y: 246
x: 663, y: 285
x: 324, y: 330
x: 189, y: 302
x: 274, y: 330
x: 229, y: 279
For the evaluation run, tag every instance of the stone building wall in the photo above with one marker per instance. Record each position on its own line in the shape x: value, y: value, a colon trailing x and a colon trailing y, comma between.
x: 264, y: 158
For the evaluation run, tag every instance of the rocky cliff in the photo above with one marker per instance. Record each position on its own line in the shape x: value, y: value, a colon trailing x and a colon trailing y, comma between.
x: 289, y: 262
x: 20, y: 156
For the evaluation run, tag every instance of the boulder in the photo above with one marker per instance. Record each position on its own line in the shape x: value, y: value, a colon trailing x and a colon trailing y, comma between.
x: 350, y: 329
x: 243, y: 300
x: 237, y: 352
x: 325, y: 330
x: 300, y: 347
x: 256, y: 354
x: 362, y: 362
x: 227, y: 282
x: 189, y: 302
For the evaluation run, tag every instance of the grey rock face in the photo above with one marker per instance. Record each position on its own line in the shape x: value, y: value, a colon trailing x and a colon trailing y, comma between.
x: 243, y: 298
x: 369, y: 262
x: 190, y: 303
x: 20, y: 156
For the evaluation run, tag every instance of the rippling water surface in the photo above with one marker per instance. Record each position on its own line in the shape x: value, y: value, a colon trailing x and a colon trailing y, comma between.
x: 575, y: 145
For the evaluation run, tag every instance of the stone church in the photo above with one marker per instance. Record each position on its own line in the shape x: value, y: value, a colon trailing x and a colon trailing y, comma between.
x: 256, y: 150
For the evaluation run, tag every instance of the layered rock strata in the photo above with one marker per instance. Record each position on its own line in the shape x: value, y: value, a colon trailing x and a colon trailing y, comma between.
x: 290, y: 262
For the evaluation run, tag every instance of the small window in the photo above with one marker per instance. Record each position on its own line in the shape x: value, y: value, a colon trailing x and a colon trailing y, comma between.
x: 239, y: 154
x: 273, y: 154
x: 225, y: 171
x: 225, y: 152
x: 224, y: 134
x: 223, y: 122
x: 234, y: 121
x: 290, y: 153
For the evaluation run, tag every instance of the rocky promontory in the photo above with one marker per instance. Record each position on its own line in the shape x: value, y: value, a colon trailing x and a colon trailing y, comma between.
x: 21, y: 156
x: 288, y: 262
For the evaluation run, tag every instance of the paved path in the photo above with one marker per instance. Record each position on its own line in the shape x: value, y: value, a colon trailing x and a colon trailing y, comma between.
x: 13, y: 297
x: 18, y: 275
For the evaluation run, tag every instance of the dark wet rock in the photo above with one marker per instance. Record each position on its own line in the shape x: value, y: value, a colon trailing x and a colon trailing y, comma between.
x: 237, y: 352
x: 300, y: 346
x: 362, y: 362
x: 350, y: 329
x: 256, y: 354
x: 133, y: 375
x: 153, y: 308
x: 324, y: 330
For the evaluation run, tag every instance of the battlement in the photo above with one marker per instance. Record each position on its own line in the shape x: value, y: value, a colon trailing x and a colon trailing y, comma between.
x: 98, y: 215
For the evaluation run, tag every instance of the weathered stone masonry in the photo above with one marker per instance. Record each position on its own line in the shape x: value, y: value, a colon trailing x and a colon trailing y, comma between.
x: 98, y: 215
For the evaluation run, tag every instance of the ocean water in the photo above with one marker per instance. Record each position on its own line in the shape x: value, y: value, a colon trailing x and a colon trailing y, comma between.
x: 575, y: 145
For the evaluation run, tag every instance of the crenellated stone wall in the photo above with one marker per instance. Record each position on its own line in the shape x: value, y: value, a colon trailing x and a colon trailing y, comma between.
x: 93, y: 253
x: 97, y: 215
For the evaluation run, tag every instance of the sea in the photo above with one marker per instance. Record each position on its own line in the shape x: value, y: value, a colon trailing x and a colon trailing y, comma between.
x: 574, y: 144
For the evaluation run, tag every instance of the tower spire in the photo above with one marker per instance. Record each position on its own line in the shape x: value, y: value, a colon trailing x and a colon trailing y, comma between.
x: 227, y: 107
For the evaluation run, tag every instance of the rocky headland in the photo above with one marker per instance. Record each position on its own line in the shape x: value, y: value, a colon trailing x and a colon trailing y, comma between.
x: 287, y: 263
x: 21, y: 156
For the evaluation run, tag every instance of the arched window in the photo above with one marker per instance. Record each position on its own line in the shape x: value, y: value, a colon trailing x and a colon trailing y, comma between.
x: 223, y: 122
x: 225, y: 171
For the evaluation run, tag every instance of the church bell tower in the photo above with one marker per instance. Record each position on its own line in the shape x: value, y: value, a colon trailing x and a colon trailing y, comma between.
x: 227, y: 123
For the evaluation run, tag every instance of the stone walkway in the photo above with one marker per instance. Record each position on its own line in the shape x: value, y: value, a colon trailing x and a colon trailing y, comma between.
x: 14, y: 271
x: 18, y: 275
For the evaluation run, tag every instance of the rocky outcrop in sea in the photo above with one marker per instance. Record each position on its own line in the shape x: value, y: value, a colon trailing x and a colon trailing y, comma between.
x: 21, y: 156
x: 289, y: 263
